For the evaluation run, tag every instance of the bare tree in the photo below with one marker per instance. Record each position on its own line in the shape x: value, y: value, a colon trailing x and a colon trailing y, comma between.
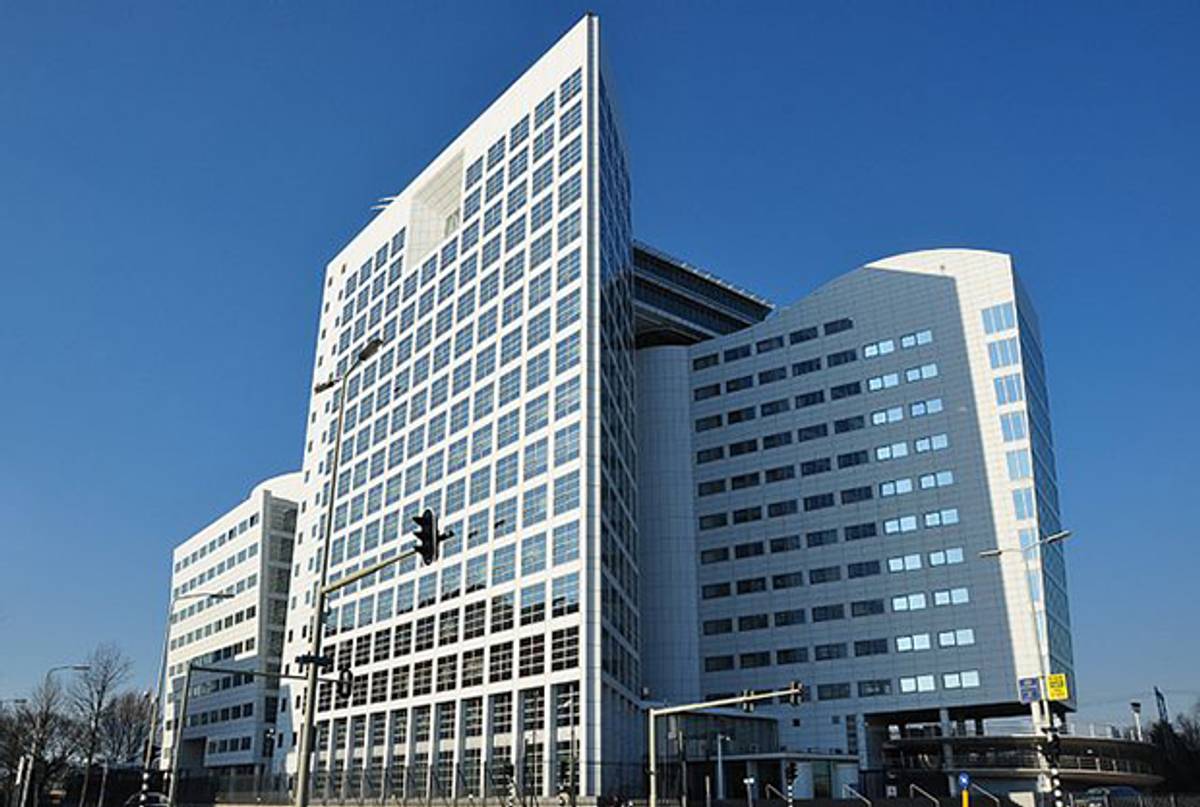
x: 91, y: 696
x: 123, y: 728
x: 47, y: 733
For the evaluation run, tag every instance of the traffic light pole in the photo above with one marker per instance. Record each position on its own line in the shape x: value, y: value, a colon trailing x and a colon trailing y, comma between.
x: 795, y: 693
x: 428, y: 542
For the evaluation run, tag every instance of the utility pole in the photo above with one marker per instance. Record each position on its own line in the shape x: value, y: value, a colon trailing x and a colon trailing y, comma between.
x: 317, y: 623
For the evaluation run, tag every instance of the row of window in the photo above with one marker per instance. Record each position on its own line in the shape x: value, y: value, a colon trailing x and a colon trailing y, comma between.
x: 768, y: 344
x: 473, y: 620
x: 815, y: 397
x: 224, y: 565
x: 424, y: 592
x: 222, y: 715
x: 831, y: 651
x: 528, y: 656
x: 849, y: 496
x: 467, y: 715
x: 863, y: 568
x: 915, y: 601
x: 229, y: 745
x: 817, y: 431
x: 202, y: 604
x: 745, y: 414
x: 875, y: 687
x: 206, y: 549
x: 216, y: 626
x: 821, y: 465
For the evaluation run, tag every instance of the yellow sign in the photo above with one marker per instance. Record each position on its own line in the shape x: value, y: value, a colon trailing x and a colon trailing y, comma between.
x: 1056, y: 687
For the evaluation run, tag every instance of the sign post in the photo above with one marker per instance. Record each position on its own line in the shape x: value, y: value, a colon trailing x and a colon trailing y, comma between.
x: 1056, y: 687
x: 964, y: 786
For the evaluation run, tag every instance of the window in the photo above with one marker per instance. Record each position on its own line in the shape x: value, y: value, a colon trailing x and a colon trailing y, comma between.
x: 767, y: 345
x: 922, y: 373
x: 772, y: 375
x: 862, y: 568
x: 1012, y: 425
x: 704, y: 362
x: 752, y: 585
x: 999, y: 318
x: 849, y: 424
x: 803, y: 335
x: 910, y: 340
x: 881, y: 348
x: 752, y: 660
x: 1008, y: 389
x: 807, y: 366
x: 826, y: 574
x: 895, y: 487
x: 853, y: 458
x: 845, y: 391
x: 882, y: 382
x: 715, y: 627
x: 909, y: 602
x: 794, y: 616
x: 775, y: 407
x: 828, y: 613
x: 874, y: 687
x: 813, y: 432
x: 913, y: 643
x: 829, y: 652
x: 786, y: 543
x: 1003, y: 353
x: 934, y: 442
x: 718, y: 663
x: 841, y: 357
x: 739, y: 384
x: 838, y: 325
x: 753, y: 622
x: 921, y: 408
x: 882, y: 417
x: 715, y: 555
x: 956, y: 638
x: 810, y: 398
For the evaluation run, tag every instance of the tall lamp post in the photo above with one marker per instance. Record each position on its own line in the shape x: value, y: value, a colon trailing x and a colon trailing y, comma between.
x: 159, y: 685
x: 316, y: 625
x: 37, y: 751
x: 1043, y: 721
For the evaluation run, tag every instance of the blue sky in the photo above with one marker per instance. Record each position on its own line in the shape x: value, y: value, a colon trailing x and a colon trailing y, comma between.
x: 173, y: 177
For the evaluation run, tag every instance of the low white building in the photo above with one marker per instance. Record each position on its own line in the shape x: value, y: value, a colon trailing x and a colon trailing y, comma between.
x: 229, y: 587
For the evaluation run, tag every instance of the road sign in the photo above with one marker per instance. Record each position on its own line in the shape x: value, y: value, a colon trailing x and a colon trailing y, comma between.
x: 1056, y: 687
x: 964, y: 780
x: 1030, y: 690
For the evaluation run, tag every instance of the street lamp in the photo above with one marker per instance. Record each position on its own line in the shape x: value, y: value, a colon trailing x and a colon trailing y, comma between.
x: 316, y: 625
x: 1039, y: 711
x: 159, y: 685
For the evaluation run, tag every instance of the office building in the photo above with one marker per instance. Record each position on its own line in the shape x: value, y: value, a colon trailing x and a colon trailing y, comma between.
x: 244, y: 557
x: 503, y: 399
x: 819, y: 513
x: 660, y: 487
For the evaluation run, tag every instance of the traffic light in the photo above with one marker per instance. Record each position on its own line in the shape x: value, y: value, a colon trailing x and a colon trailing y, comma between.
x: 428, y: 538
x: 345, y: 682
x: 1053, y: 747
x: 747, y: 705
x: 796, y: 693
